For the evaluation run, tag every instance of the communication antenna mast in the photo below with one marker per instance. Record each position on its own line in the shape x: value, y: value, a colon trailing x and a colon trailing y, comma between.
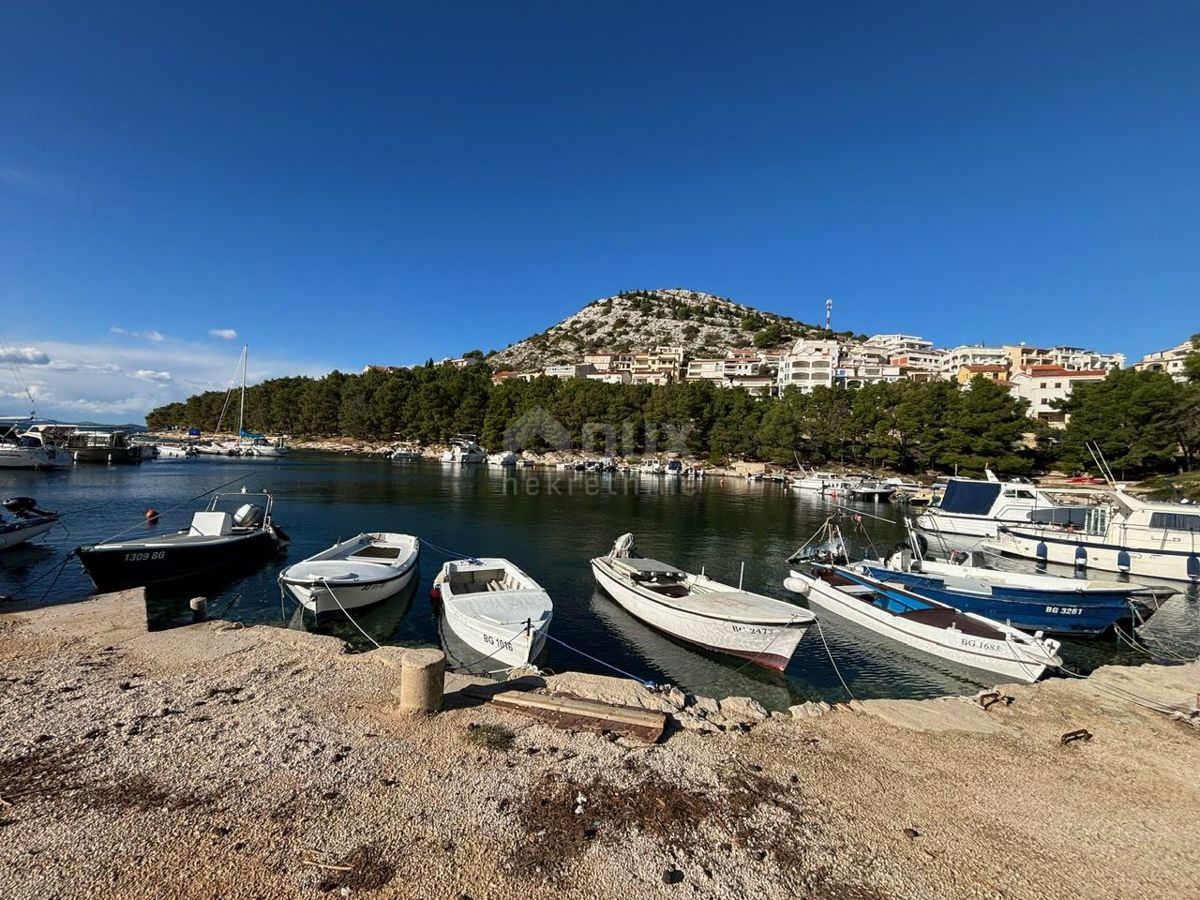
x: 828, y: 313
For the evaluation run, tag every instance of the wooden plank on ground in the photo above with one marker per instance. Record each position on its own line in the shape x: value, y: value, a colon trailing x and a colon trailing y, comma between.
x: 592, y: 715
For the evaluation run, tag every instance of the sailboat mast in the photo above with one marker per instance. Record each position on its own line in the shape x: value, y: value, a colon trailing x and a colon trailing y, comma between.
x: 242, y: 411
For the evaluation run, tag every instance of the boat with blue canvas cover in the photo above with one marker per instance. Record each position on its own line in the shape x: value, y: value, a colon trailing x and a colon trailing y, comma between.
x: 972, y: 510
x: 924, y: 624
x: 1035, y: 602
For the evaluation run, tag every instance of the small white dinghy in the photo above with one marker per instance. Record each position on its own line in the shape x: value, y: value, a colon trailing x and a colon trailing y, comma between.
x: 359, y: 572
x: 925, y: 624
x: 697, y: 609
x: 495, y: 609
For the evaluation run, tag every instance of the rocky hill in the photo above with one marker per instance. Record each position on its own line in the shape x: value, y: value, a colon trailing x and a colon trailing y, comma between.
x: 703, y: 324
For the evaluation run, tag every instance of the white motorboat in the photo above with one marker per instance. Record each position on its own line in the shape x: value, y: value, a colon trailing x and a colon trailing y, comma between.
x: 52, y: 438
x: 19, y: 451
x: 362, y: 571
x: 177, y: 451
x: 925, y: 624
x: 1124, y: 533
x: 974, y: 509
x: 700, y: 610
x: 405, y: 452
x: 505, y: 458
x: 464, y: 449
x: 820, y: 482
x: 495, y: 609
x: 869, y: 491
x: 651, y: 467
x: 28, y: 521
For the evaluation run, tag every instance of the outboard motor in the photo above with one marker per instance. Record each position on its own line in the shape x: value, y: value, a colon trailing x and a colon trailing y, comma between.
x: 623, y: 548
x: 24, y: 507
x: 248, y: 516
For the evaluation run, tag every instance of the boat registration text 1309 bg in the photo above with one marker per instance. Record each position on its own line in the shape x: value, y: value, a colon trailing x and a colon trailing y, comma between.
x: 145, y: 556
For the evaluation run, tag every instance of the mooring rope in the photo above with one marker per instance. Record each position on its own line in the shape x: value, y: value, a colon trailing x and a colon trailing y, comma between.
x: 450, y: 554
x: 642, y: 681
x: 347, y: 615
x: 832, y: 662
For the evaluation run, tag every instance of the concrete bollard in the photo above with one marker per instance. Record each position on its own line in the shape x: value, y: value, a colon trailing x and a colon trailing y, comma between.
x: 421, y: 680
x: 199, y: 607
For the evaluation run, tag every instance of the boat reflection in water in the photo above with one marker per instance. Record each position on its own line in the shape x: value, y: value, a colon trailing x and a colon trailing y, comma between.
x: 380, y: 621
x: 687, y: 666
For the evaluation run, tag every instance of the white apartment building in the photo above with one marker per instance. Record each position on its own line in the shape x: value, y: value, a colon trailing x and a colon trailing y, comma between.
x: 896, y: 344
x: 754, y: 385
x: 809, y: 364
x: 920, y: 365
x: 1044, y: 386
x: 706, y: 370
x: 618, y: 377
x: 1021, y: 356
x: 609, y: 362
x: 1169, y: 361
x: 856, y: 376
x: 667, y: 360
x: 571, y: 370
x: 972, y: 355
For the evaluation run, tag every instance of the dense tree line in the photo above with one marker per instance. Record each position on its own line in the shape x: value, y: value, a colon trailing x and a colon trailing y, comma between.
x: 1143, y: 421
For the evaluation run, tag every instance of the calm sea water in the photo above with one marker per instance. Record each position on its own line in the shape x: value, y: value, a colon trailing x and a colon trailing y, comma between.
x: 550, y: 523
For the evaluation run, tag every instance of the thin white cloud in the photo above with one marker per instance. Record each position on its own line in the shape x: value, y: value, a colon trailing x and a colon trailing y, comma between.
x: 151, y: 375
x: 24, y: 356
x: 37, y: 183
x: 118, y: 382
x: 227, y: 333
x: 152, y: 336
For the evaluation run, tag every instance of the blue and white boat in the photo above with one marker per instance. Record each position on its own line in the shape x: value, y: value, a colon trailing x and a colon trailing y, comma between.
x: 924, y: 624
x: 1032, y: 602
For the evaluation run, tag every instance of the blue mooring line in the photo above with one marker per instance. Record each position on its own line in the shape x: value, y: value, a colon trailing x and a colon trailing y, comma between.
x: 650, y: 685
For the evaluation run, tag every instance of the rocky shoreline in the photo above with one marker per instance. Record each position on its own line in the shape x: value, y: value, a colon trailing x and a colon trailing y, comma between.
x: 219, y: 761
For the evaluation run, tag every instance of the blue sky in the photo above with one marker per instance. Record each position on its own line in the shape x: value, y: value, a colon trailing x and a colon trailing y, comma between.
x: 384, y: 182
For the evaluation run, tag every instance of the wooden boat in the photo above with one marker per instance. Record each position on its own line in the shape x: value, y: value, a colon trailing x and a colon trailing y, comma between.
x: 362, y: 571
x: 1081, y: 607
x: 700, y: 610
x: 925, y: 624
x: 494, y: 608
x: 28, y: 521
x: 216, y: 544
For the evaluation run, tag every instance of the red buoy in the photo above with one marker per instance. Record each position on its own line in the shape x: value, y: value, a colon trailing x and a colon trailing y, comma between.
x: 151, y: 514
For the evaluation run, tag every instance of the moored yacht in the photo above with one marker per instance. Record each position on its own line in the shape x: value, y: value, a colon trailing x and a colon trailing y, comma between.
x: 973, y: 509
x: 1124, y: 533
x: 464, y: 448
x: 103, y: 447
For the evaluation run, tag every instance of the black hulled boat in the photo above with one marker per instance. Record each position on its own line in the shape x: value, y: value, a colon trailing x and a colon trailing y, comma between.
x: 215, y: 544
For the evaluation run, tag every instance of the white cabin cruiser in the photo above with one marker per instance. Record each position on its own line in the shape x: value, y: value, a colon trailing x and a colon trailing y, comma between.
x: 464, y: 449
x: 974, y: 509
x: 700, y: 610
x: 1141, y: 538
x: 362, y: 571
x: 495, y: 609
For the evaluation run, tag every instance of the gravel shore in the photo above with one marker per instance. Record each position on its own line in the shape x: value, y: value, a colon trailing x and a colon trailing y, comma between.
x: 214, y: 761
